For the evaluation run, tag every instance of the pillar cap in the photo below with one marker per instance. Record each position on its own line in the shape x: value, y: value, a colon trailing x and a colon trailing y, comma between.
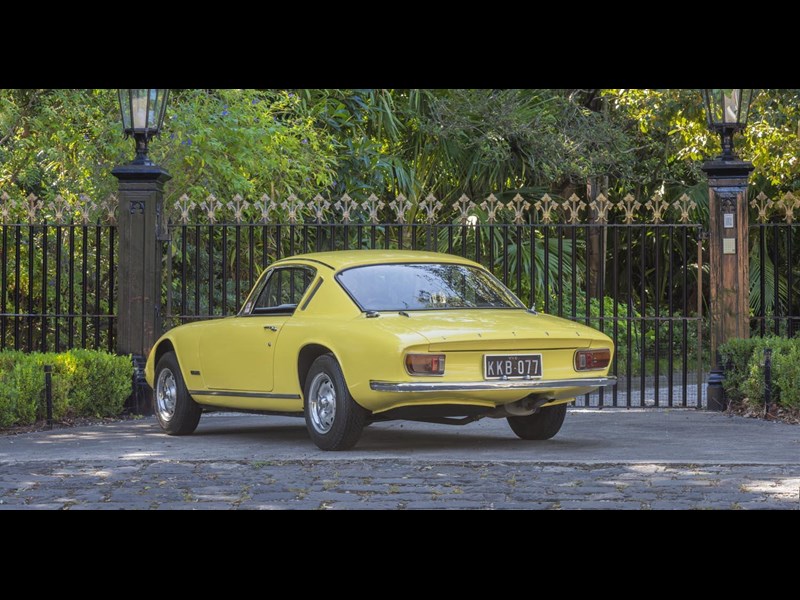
x: 131, y: 172
x: 727, y: 168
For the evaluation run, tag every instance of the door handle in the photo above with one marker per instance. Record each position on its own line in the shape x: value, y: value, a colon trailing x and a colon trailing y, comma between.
x: 271, y: 327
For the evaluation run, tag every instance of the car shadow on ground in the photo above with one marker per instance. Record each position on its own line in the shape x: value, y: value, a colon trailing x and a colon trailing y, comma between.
x: 394, y: 438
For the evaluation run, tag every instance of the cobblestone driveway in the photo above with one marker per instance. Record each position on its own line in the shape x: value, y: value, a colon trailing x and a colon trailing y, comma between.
x: 388, y: 484
x: 601, y: 460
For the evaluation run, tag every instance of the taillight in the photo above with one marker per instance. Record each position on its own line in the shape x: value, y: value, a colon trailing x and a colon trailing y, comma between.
x: 592, y: 360
x: 425, y: 364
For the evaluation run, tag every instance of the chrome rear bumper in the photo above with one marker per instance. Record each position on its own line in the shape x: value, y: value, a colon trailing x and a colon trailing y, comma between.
x: 477, y: 386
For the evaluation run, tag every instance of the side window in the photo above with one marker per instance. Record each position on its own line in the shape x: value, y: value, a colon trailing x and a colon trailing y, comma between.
x: 283, y: 291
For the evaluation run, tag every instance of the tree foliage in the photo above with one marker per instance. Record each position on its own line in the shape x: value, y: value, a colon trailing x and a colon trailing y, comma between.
x: 214, y: 141
x: 410, y: 141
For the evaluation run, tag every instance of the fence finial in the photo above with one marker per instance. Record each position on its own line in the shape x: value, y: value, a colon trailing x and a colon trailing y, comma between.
x: 109, y: 205
x: 400, y: 206
x: 520, y: 206
x: 265, y: 206
x: 373, y: 205
x: 601, y: 206
x: 491, y: 205
x: 431, y: 206
x: 185, y: 205
x: 294, y: 205
x: 5, y: 206
x: 86, y: 207
x: 238, y: 205
x: 60, y: 206
x: 546, y: 206
x: 319, y: 205
x: 685, y: 204
x: 463, y: 205
x: 789, y: 203
x: 658, y: 206
x: 345, y: 206
x: 211, y: 206
x: 762, y: 203
x: 630, y: 205
x: 574, y: 205
x: 33, y: 206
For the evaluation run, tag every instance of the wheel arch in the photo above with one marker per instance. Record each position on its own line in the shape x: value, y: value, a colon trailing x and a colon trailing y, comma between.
x: 308, y: 354
x: 162, y: 348
x: 164, y: 345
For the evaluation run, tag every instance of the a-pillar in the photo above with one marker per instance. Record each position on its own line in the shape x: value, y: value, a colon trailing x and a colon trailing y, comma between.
x: 729, y: 264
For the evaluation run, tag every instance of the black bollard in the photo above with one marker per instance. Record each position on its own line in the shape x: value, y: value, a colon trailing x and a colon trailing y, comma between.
x: 767, y: 381
x: 48, y: 394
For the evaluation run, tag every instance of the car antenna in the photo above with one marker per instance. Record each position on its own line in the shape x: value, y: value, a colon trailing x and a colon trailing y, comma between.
x: 533, y: 310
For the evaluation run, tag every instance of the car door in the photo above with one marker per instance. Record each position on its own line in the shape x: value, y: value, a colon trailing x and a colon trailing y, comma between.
x: 237, y: 354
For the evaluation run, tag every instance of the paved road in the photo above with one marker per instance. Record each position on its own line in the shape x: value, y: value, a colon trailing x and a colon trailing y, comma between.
x: 601, y: 459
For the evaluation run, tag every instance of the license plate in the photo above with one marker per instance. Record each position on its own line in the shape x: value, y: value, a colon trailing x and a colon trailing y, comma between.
x: 517, y: 366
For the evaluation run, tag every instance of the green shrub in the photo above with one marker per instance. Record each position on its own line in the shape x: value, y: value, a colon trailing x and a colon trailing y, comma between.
x: 735, y: 356
x: 85, y: 383
x: 8, y: 359
x: 21, y: 387
x: 787, y: 376
x: 9, y: 397
x: 743, y: 361
x: 101, y: 383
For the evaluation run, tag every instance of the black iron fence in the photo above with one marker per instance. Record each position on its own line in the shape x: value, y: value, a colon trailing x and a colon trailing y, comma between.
x: 775, y: 279
x: 57, y: 286
x: 775, y: 266
x: 645, y: 289
x: 635, y: 272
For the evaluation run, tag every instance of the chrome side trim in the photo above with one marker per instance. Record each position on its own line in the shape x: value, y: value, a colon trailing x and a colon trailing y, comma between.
x: 477, y: 386
x: 243, y: 395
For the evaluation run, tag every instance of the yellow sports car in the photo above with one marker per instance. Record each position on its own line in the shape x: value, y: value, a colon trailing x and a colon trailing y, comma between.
x: 350, y: 338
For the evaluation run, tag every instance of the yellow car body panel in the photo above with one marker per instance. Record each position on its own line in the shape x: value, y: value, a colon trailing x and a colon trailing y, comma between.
x: 254, y: 362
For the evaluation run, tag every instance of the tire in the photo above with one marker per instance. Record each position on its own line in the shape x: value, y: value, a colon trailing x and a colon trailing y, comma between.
x: 176, y: 411
x: 334, y: 420
x: 541, y: 425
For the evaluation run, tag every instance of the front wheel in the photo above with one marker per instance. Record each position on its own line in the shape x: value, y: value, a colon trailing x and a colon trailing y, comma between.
x: 334, y: 420
x: 541, y: 425
x: 176, y: 411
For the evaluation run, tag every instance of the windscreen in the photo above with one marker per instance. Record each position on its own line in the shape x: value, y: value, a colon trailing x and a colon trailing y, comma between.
x: 425, y: 286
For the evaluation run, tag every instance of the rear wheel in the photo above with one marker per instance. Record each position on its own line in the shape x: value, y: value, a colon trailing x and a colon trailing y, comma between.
x: 334, y: 420
x: 541, y: 425
x: 175, y: 410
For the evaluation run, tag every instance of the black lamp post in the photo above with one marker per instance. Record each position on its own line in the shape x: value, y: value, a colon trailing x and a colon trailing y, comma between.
x: 142, y: 117
x: 140, y: 228
x: 727, y: 112
x: 728, y: 176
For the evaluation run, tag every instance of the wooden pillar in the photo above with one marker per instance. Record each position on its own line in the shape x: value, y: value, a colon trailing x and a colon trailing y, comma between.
x: 596, y: 242
x: 141, y: 189
x: 729, y: 263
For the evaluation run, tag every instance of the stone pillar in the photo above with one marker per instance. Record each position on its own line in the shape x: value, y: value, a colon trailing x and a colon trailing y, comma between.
x: 729, y: 263
x: 141, y: 189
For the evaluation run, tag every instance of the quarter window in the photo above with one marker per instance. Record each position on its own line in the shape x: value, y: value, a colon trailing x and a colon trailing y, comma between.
x: 283, y: 291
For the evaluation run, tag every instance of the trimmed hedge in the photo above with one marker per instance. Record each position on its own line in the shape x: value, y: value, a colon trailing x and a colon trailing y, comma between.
x: 744, y: 370
x: 86, y: 383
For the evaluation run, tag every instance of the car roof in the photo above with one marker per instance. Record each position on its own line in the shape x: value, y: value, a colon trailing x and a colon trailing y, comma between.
x: 345, y: 259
